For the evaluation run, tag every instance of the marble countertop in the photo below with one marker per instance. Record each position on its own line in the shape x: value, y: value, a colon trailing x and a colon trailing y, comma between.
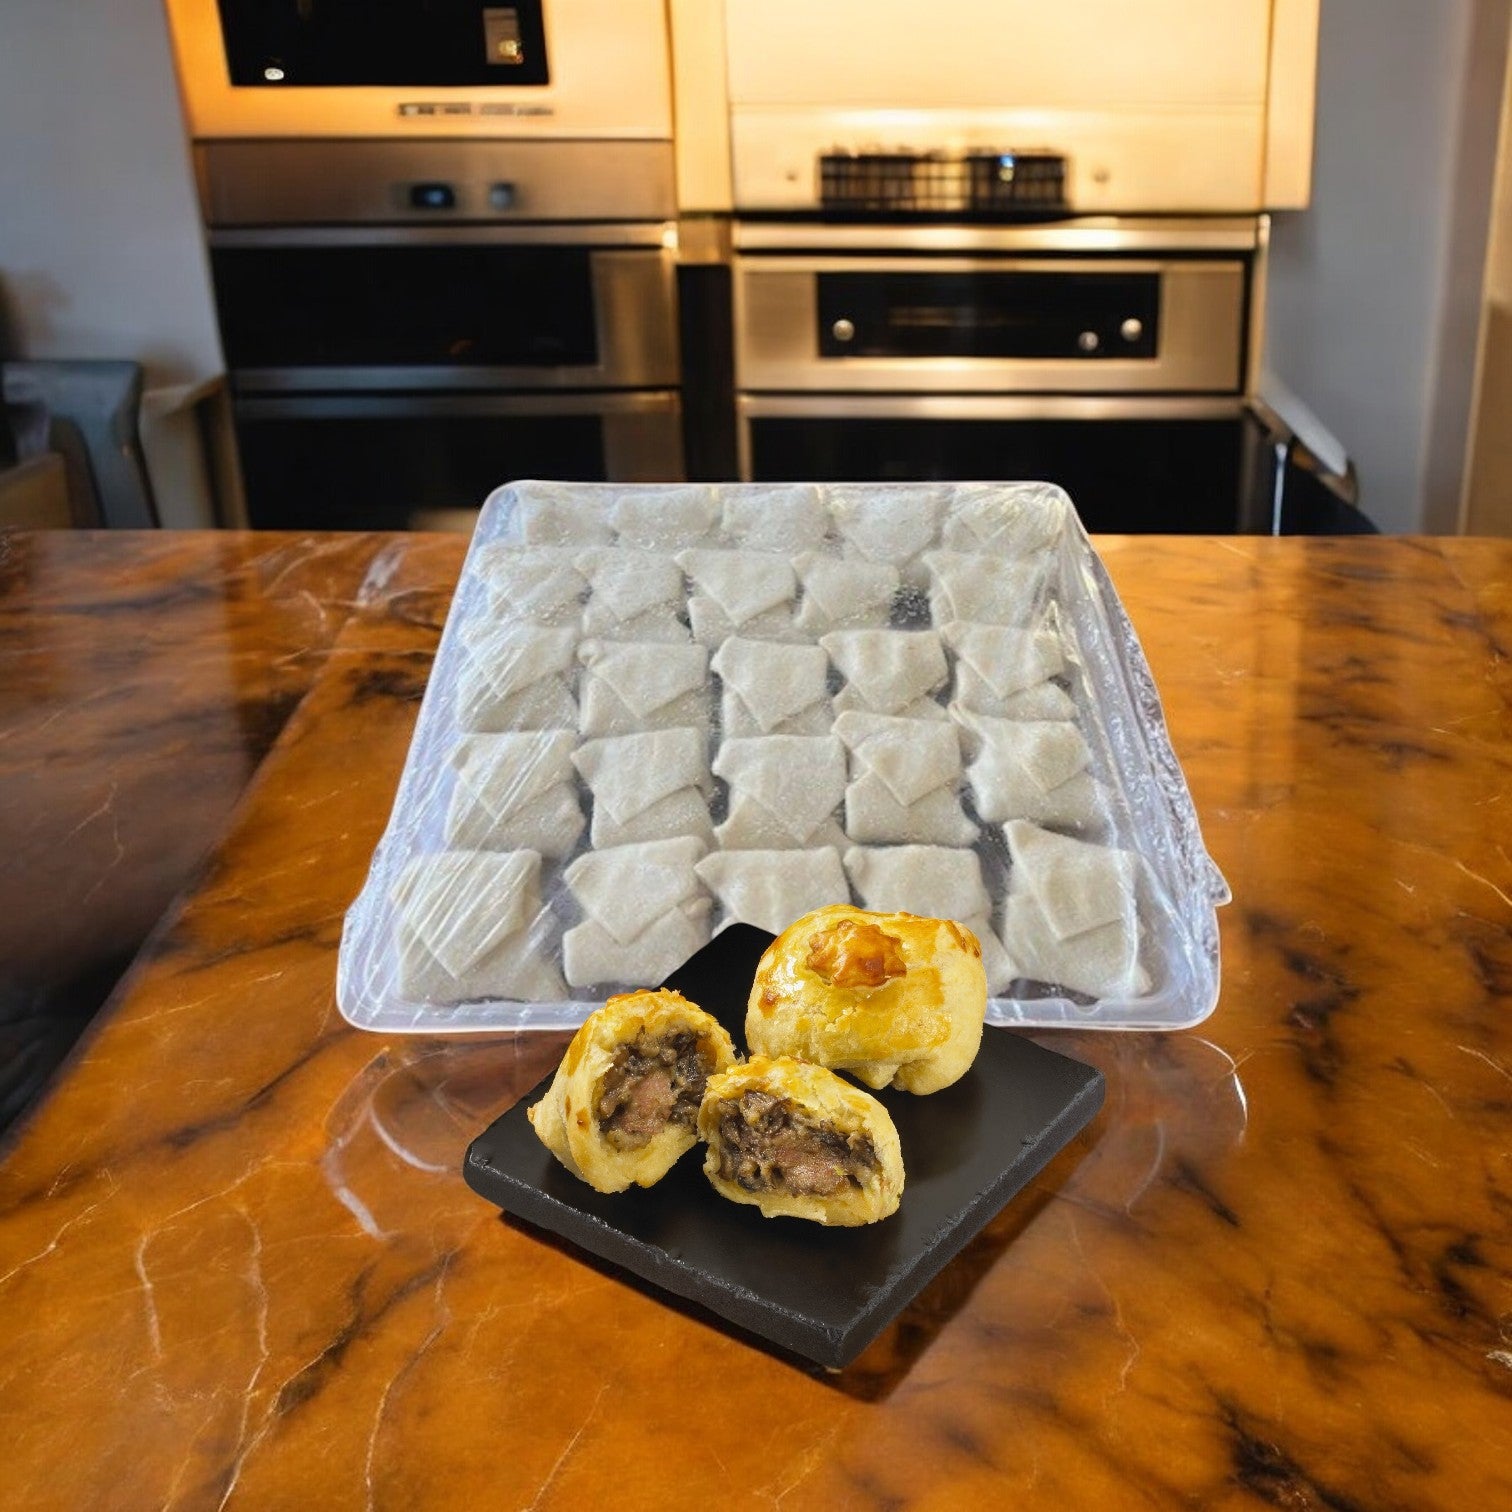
x: 238, y: 1266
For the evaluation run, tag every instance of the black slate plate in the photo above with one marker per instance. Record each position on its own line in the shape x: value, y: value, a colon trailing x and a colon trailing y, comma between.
x: 821, y: 1293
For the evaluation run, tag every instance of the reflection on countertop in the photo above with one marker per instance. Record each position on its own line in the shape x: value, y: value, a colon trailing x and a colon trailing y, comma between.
x: 238, y: 1265
x: 139, y: 696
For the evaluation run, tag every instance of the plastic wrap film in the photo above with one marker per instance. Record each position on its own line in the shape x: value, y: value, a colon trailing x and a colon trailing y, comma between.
x: 656, y: 710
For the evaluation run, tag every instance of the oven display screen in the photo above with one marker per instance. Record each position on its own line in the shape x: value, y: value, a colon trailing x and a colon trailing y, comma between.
x: 286, y: 44
x: 1048, y: 315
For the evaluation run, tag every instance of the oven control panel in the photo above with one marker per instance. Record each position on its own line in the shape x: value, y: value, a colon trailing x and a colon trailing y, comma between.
x: 1032, y: 322
x: 1019, y: 314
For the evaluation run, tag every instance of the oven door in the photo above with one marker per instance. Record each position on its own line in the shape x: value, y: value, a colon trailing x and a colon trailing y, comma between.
x: 405, y: 461
x: 252, y: 70
x: 1129, y: 464
x: 390, y: 307
x: 282, y: 44
x: 989, y: 324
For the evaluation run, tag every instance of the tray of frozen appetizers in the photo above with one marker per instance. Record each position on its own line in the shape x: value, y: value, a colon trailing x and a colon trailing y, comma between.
x: 656, y: 711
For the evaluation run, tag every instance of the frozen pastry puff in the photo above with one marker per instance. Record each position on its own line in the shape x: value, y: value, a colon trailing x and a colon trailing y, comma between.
x: 889, y: 523
x: 889, y: 997
x: 1006, y: 519
x: 844, y: 592
x: 797, y: 1142
x: 788, y: 517
x: 747, y: 593
x: 470, y: 927
x: 622, y: 1108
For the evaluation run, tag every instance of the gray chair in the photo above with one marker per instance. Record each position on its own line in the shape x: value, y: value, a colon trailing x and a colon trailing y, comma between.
x: 85, y: 413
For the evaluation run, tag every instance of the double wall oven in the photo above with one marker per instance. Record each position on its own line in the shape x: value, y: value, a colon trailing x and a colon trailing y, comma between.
x: 442, y: 238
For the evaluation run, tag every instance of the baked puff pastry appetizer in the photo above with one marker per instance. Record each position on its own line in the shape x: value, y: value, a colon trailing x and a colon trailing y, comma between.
x: 797, y: 1142
x: 623, y: 1105
x: 889, y: 997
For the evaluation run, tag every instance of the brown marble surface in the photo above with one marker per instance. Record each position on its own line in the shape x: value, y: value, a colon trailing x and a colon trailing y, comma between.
x: 137, y: 697
x: 238, y: 1266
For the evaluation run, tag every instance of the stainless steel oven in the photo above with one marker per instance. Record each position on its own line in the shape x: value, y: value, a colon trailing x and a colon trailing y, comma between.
x: 386, y: 368
x: 1106, y: 354
x: 442, y: 238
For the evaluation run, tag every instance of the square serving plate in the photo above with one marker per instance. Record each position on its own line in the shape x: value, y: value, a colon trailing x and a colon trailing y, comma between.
x: 822, y: 1293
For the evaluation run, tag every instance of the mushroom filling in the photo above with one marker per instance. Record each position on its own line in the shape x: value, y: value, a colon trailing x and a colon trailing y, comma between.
x: 652, y: 1083
x: 768, y: 1143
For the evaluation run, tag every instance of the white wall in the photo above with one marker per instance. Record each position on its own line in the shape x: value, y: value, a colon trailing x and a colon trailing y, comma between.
x: 100, y: 246
x: 1366, y: 317
x: 1488, y: 493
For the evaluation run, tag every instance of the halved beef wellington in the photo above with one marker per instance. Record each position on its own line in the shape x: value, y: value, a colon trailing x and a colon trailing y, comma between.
x: 796, y: 1141
x: 623, y: 1105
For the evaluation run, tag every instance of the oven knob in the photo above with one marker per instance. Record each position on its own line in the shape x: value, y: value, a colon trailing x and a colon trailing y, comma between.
x: 1131, y: 329
x: 1088, y: 341
x: 842, y: 330
x: 432, y: 197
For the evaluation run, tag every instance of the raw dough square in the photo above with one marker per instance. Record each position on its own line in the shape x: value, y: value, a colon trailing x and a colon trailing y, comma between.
x: 536, y: 584
x: 470, y: 926
x: 1071, y: 918
x: 648, y: 786
x: 841, y: 593
x: 784, y: 790
x: 772, y: 689
x: 747, y: 593
x: 938, y: 883
x: 515, y: 792
x: 887, y: 671
x: 1102, y: 962
x: 515, y: 677
x: 771, y: 888
x: 1006, y: 521
x: 985, y: 590
x: 888, y: 523
x: 664, y: 519
x: 778, y: 517
x: 592, y: 956
x: 562, y: 514
x: 630, y: 686
x: 645, y: 913
x: 1030, y: 769
x: 633, y: 595
x: 995, y: 662
x: 905, y: 775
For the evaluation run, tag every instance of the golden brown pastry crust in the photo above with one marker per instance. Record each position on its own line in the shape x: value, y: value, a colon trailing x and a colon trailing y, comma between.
x: 828, y: 990
x: 566, y: 1119
x: 818, y: 1098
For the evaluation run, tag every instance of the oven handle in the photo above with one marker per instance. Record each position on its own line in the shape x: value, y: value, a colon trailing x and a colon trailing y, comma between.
x: 988, y: 407
x: 434, y: 406
x: 1087, y: 233
x: 515, y: 234
x: 754, y: 267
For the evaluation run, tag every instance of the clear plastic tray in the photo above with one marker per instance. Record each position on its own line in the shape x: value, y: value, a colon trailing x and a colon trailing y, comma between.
x: 515, y: 868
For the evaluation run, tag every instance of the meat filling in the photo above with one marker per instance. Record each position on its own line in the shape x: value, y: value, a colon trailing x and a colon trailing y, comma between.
x: 651, y: 1083
x: 768, y: 1143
